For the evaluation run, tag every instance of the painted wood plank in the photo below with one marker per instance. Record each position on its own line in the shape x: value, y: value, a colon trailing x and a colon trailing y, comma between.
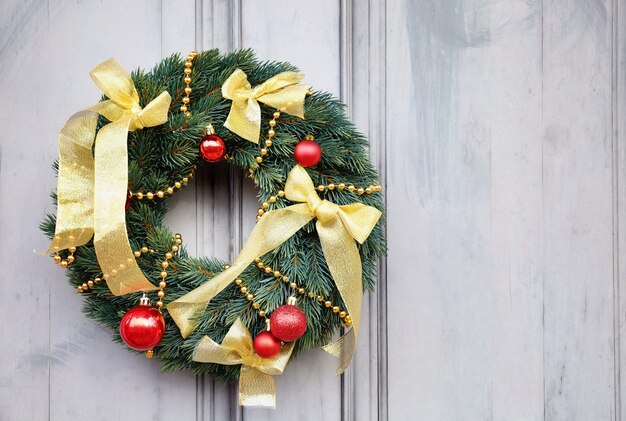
x: 279, y: 31
x: 578, y: 220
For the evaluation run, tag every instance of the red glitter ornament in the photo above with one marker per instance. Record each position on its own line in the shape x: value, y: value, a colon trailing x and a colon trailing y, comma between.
x: 212, y: 147
x: 142, y: 327
x: 307, y: 153
x: 288, y: 322
x: 266, y: 345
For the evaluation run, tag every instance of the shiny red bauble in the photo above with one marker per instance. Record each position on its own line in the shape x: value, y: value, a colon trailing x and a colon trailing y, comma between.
x: 266, y: 345
x: 288, y: 323
x: 142, y: 327
x: 212, y: 148
x: 307, y: 153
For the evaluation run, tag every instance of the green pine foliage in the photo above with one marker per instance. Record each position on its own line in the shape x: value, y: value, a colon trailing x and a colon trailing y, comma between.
x: 160, y: 155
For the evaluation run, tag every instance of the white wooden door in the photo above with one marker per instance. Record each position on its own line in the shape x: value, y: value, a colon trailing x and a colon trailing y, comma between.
x: 498, y: 129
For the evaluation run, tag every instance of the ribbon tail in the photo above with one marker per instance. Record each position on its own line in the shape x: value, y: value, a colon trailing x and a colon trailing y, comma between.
x: 273, y: 229
x: 344, y: 263
x: 244, y: 119
x: 289, y: 99
x: 113, y: 250
x: 74, y: 221
x: 256, y: 388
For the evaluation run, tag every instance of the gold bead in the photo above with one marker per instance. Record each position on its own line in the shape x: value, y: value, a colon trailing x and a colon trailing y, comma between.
x: 293, y: 285
x: 341, y: 186
x: 188, y: 114
x: 320, y: 187
x: 169, y: 190
x: 186, y: 100
x: 97, y: 281
x: 328, y: 303
x: 342, y: 314
x: 64, y: 264
x: 162, y: 284
x: 163, y: 274
x: 271, y: 132
x: 187, y: 80
x: 301, y: 291
x: 259, y: 159
x: 187, y: 71
x: 348, y: 318
x: 159, y: 303
x: 144, y: 249
x: 72, y: 249
x: 331, y: 186
x: 89, y: 284
x: 139, y: 195
x: 260, y: 212
x: 263, y: 151
x: 243, y: 290
x: 174, y: 249
x: 164, y: 265
x: 168, y: 255
x: 265, y: 205
x: 276, y: 114
x: 281, y: 193
x: 320, y: 298
x: 348, y: 322
x: 368, y: 190
x: 272, y: 199
x: 276, y: 274
x: 57, y: 258
x: 185, y: 180
x: 272, y: 123
x: 238, y: 281
x: 84, y: 285
x: 150, y: 195
x: 177, y: 185
x: 351, y: 187
x: 70, y: 258
x: 268, y: 143
x: 268, y: 269
x: 250, y: 297
x: 256, y: 306
x: 226, y: 266
x: 310, y: 295
x: 285, y: 279
x: 257, y: 260
x: 178, y: 236
x: 261, y: 313
x: 160, y: 194
x: 188, y: 63
x: 260, y: 265
x: 187, y: 90
x: 160, y: 294
x: 137, y: 253
x: 335, y: 309
x: 149, y: 353
x: 79, y: 289
x: 183, y: 108
x: 360, y: 190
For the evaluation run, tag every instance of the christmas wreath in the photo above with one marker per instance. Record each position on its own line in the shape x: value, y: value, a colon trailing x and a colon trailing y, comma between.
x: 299, y: 278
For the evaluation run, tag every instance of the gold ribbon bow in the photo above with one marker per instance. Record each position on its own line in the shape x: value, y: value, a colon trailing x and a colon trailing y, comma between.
x: 92, y: 189
x: 256, y: 385
x: 337, y: 226
x: 282, y: 92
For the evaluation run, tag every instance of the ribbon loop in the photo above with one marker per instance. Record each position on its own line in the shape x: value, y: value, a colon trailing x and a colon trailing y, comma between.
x: 256, y: 385
x: 283, y: 92
x: 337, y: 226
x: 92, y: 194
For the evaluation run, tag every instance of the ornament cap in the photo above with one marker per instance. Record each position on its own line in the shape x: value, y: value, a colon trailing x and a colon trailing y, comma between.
x: 144, y: 301
x: 209, y: 129
x: 292, y: 300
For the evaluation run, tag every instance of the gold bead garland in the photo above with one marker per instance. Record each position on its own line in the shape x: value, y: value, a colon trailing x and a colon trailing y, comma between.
x: 271, y: 133
x: 187, y: 80
x: 64, y: 263
x: 168, y: 191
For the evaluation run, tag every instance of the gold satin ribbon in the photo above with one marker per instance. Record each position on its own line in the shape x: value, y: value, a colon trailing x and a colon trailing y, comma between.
x: 256, y: 385
x: 337, y: 226
x: 92, y: 189
x: 282, y: 92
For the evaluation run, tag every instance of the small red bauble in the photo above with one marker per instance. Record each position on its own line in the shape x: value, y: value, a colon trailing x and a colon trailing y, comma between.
x: 142, y: 327
x: 288, y: 323
x: 307, y: 153
x: 212, y: 148
x: 266, y: 345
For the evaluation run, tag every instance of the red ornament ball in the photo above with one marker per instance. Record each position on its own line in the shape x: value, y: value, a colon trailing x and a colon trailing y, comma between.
x: 142, y: 327
x: 307, y: 153
x: 288, y: 323
x: 266, y: 345
x: 212, y: 148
